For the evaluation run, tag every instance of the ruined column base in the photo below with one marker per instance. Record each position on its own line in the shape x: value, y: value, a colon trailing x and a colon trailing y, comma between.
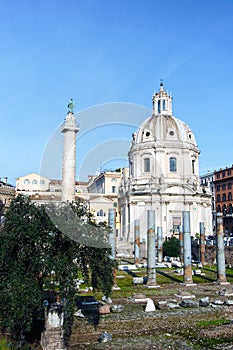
x: 115, y: 287
x: 222, y: 283
x: 152, y: 286
x: 188, y: 284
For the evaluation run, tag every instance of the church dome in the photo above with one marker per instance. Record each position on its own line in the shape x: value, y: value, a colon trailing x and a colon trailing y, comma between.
x: 162, y: 126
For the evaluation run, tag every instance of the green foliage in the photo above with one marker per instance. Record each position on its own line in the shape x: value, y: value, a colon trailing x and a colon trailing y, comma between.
x: 36, y: 255
x: 171, y: 247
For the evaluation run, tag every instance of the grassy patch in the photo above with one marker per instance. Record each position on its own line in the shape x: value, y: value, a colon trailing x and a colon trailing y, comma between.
x: 4, y: 344
x: 212, y: 323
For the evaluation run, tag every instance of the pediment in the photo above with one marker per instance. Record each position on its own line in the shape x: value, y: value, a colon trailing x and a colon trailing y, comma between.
x: 174, y: 189
x: 100, y: 200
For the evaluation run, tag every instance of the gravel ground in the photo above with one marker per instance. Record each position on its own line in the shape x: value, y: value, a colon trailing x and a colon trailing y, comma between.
x: 177, y: 329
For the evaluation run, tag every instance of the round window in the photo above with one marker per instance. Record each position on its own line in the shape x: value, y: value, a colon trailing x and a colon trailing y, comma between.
x: 147, y: 134
x: 171, y: 133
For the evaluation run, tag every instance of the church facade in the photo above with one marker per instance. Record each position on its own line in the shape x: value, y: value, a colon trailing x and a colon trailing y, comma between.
x: 163, y: 176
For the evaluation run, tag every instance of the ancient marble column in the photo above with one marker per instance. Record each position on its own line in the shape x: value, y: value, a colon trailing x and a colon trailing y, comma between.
x: 151, y: 251
x: 188, y: 279
x: 136, y: 242
x: 160, y: 244
x: 202, y: 243
x: 221, y: 268
x: 69, y: 129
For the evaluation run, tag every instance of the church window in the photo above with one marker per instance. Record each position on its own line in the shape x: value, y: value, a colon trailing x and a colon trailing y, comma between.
x: 172, y: 164
x: 26, y: 182
x: 171, y: 133
x: 146, y: 165
x: 147, y: 134
x: 159, y: 106
x: 193, y: 166
x: 113, y: 189
x: 130, y: 168
x: 164, y: 105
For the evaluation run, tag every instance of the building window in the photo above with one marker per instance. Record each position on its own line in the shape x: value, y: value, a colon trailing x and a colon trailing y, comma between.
x: 218, y: 188
x: 101, y: 213
x: 146, y: 165
x: 219, y: 209
x: 42, y: 182
x: 159, y: 106
x: 34, y: 182
x: 218, y: 198
x: 131, y: 168
x: 223, y: 174
x: 224, y: 209
x: 113, y: 189
x: 223, y: 187
x: 193, y: 166
x: 229, y: 186
x: 172, y: 164
x: 26, y: 182
x: 229, y: 172
x: 230, y: 210
x: 224, y: 197
x: 164, y: 105
x: 229, y: 196
x: 218, y: 176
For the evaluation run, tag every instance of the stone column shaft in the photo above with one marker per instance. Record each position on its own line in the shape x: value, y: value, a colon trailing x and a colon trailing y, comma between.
x: 181, y: 244
x: 202, y: 243
x: 151, y: 251
x: 187, y: 248
x: 221, y: 268
x: 112, y: 233
x: 136, y: 242
x: 69, y: 130
x: 160, y: 244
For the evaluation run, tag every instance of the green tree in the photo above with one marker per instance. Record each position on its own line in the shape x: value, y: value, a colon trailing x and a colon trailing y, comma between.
x: 171, y: 247
x: 36, y: 255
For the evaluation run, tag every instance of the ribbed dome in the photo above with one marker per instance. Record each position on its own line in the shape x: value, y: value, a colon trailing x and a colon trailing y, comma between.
x: 164, y: 128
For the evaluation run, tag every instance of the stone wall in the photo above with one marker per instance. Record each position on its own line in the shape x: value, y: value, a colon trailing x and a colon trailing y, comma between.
x: 210, y: 255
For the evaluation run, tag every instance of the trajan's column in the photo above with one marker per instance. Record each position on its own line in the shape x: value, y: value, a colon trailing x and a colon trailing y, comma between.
x: 70, y: 129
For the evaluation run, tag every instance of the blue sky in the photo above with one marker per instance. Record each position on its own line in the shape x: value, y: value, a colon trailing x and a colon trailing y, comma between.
x: 102, y: 51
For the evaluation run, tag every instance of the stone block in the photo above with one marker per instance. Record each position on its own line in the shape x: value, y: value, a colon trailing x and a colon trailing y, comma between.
x: 104, y: 309
x: 137, y: 280
x: 204, y: 301
x: 189, y: 303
